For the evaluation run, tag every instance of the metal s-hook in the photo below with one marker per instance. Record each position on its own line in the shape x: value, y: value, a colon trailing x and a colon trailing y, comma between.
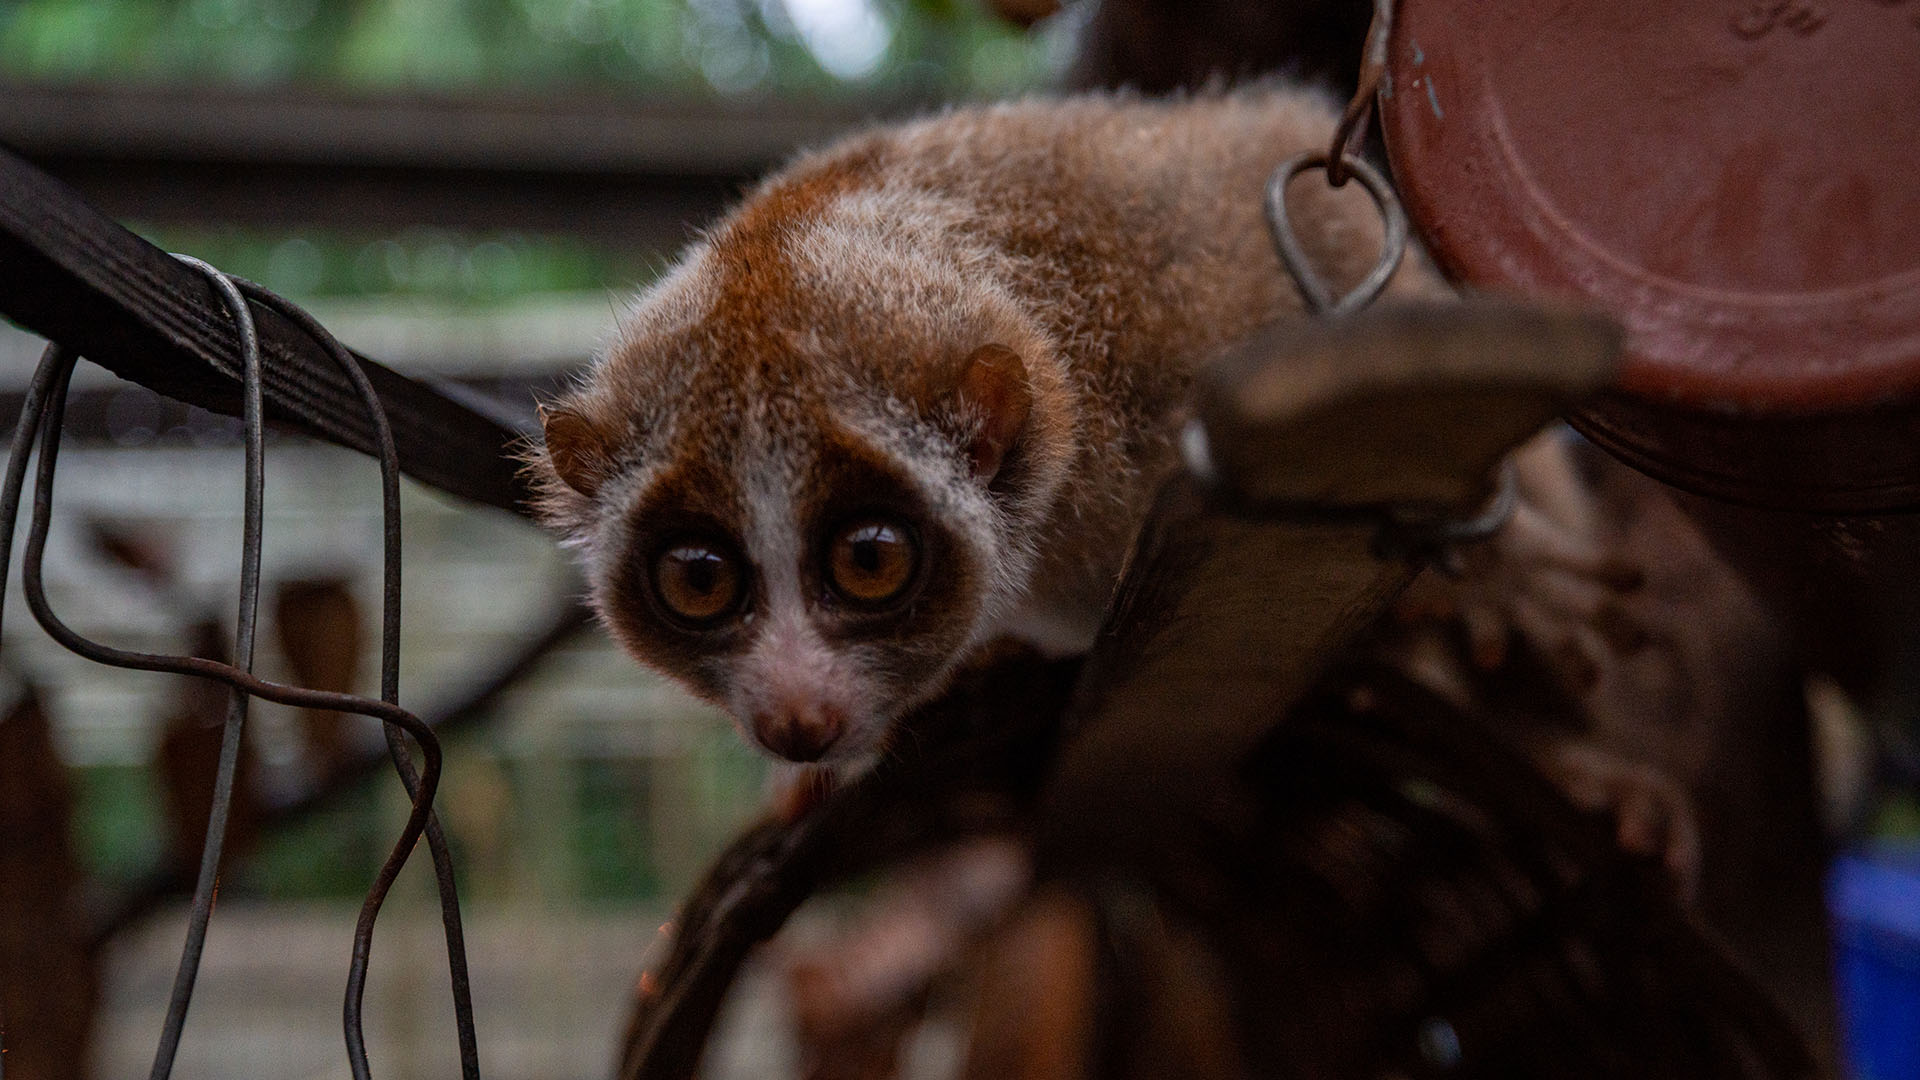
x: 1314, y: 289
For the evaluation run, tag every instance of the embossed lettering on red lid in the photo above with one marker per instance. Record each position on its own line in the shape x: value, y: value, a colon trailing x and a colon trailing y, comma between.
x: 1737, y: 180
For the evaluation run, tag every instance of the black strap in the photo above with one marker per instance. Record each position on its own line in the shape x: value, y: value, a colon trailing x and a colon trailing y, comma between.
x: 71, y: 274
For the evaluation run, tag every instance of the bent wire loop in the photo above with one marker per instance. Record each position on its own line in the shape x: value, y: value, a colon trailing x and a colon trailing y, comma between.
x: 43, y: 414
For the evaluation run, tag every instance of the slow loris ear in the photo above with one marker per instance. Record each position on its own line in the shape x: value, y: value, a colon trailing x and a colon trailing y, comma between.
x: 576, y: 449
x: 993, y: 385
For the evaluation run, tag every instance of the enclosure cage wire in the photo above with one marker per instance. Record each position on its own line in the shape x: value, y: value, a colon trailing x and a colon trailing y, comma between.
x: 43, y: 415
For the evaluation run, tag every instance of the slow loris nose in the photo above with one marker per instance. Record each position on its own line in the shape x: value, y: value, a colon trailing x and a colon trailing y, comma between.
x: 799, y: 730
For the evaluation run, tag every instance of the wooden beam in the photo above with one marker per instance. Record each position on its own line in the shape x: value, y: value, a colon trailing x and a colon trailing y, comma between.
x: 72, y: 275
x: 624, y: 171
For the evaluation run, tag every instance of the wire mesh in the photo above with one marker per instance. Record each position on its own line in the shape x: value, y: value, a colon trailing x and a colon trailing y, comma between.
x: 42, y: 417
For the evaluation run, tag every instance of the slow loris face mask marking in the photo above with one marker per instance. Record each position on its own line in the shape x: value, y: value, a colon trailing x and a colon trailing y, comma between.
x: 807, y: 590
x: 916, y: 393
x: 808, y: 529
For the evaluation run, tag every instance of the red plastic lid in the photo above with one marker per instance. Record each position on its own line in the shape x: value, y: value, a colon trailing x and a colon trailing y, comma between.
x: 1737, y: 180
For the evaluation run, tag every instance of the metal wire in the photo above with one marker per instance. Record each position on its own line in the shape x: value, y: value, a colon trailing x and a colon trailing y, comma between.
x: 396, y: 747
x: 1341, y: 161
x: 1351, y: 132
x: 43, y: 415
x: 209, y: 880
x: 1314, y: 289
x: 1420, y: 537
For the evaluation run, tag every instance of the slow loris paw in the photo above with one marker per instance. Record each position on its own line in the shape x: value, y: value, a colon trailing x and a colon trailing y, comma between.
x: 1653, y: 815
x: 857, y: 996
x: 1549, y: 575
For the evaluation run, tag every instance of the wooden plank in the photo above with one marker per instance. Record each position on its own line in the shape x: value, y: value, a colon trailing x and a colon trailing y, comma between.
x: 71, y: 274
x: 623, y: 171
x: 1246, y: 581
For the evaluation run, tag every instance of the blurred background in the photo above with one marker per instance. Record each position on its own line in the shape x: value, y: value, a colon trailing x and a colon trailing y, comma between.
x: 466, y: 190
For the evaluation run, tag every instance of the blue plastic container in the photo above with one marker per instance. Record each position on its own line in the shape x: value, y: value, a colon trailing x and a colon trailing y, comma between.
x: 1875, y: 898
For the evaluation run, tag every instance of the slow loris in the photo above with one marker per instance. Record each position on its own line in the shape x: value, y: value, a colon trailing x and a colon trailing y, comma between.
x: 916, y: 393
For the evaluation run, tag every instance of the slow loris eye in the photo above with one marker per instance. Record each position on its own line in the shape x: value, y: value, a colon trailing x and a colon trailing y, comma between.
x: 699, y: 583
x: 872, y: 561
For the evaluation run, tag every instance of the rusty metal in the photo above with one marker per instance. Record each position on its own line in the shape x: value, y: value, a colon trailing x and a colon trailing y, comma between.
x: 1352, y: 129
x: 42, y: 417
x: 1769, y: 283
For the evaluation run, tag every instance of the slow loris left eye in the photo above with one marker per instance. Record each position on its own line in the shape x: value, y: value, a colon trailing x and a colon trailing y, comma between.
x: 872, y: 562
x: 698, y: 583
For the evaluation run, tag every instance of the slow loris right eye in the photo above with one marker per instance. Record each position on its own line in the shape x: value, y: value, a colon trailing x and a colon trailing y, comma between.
x: 698, y: 583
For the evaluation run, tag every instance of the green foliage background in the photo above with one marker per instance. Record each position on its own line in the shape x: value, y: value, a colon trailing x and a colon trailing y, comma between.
x: 697, y: 47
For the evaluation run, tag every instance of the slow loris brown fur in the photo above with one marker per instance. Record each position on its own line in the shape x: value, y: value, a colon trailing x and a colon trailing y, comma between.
x: 916, y: 393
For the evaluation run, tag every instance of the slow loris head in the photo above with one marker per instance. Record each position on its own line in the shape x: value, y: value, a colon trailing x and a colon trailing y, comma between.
x: 807, y: 476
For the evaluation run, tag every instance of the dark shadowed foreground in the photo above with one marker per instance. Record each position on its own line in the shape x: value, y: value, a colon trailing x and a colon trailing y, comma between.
x: 1249, y: 856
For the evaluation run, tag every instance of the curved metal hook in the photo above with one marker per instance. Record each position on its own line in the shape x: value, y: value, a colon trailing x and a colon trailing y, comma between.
x: 1314, y: 289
